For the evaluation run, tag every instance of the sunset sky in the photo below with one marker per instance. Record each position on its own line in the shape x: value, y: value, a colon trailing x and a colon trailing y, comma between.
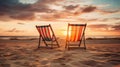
x: 19, y: 17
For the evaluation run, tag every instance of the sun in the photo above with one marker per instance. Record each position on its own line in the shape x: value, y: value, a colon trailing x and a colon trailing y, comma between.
x: 65, y: 33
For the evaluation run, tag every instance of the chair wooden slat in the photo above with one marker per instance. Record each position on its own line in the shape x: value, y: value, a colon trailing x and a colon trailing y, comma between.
x: 71, y: 33
x: 43, y: 33
x: 80, y: 33
x: 76, y: 33
x: 46, y: 33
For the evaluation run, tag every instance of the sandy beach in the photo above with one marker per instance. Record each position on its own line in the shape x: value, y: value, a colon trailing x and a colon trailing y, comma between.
x: 24, y: 53
x: 25, y: 23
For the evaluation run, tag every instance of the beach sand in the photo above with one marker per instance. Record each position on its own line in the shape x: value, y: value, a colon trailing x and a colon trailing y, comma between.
x: 24, y: 53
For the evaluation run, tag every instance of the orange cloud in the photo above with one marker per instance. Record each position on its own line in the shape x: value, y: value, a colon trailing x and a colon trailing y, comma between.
x: 116, y: 27
x: 14, y: 30
x: 105, y: 27
x: 108, y: 11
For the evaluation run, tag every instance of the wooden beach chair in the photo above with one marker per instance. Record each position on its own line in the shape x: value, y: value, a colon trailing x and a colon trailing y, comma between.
x: 47, y: 35
x: 75, y: 33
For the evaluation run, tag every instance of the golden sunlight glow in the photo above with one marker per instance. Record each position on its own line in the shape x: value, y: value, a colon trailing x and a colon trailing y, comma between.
x: 65, y: 33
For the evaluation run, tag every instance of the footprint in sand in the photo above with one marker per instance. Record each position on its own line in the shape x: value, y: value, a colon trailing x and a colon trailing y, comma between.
x: 60, y: 65
x: 25, y: 63
x: 17, y: 63
x: 8, y: 54
x: 114, y: 61
x: 5, y: 65
x: 94, y: 63
x: 17, y: 46
x: 109, y: 55
x: 58, y: 60
x: 44, y: 62
x: 62, y: 60
x: 2, y: 60
x: 58, y: 54
x: 67, y: 55
x: 76, y: 64
x: 90, y: 62
x: 17, y: 57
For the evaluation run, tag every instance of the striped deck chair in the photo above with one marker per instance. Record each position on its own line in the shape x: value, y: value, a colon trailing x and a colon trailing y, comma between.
x: 47, y: 35
x: 75, y: 33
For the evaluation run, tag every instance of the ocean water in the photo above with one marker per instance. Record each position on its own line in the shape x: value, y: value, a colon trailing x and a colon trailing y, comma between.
x: 18, y: 37
x: 89, y: 40
x: 59, y: 37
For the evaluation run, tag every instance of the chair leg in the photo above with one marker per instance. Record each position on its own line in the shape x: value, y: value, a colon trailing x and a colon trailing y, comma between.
x: 51, y: 44
x: 57, y: 43
x: 39, y: 41
x: 84, y: 43
x: 67, y: 45
x: 79, y: 43
x: 45, y: 42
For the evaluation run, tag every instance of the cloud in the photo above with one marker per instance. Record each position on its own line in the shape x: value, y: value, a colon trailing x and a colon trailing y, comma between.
x: 14, y: 30
x: 85, y: 9
x: 98, y: 26
x: 48, y: 1
x: 118, y: 23
x: 16, y: 10
x: 13, y: 9
x: 118, y: 18
x: 89, y: 9
x: 94, y: 19
x: 23, y: 16
x: 56, y: 15
x: 71, y: 7
x: 70, y: 11
x: 88, y: 20
x: 108, y: 11
x: 104, y: 27
x: 20, y: 23
x: 116, y: 27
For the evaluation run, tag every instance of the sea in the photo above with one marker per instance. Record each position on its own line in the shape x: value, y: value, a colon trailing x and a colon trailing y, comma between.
x: 60, y: 37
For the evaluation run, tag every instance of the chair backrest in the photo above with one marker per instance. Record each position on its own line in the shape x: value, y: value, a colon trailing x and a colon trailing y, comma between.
x: 75, y: 32
x: 45, y: 32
